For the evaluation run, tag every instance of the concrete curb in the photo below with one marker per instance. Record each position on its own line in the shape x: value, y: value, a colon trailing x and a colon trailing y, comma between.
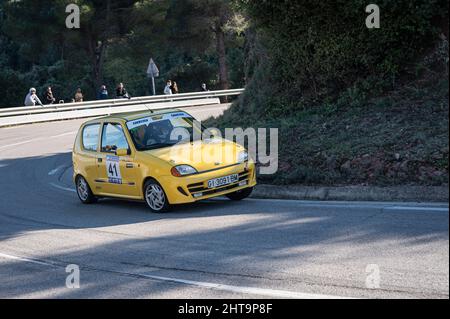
x: 354, y: 193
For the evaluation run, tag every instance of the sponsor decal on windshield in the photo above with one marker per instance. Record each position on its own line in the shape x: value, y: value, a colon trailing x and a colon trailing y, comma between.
x: 156, y: 118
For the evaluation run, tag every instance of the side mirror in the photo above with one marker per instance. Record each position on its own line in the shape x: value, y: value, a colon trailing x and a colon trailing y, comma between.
x: 122, y: 152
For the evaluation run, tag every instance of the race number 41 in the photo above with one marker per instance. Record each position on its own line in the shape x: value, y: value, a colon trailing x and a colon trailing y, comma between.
x: 113, y: 170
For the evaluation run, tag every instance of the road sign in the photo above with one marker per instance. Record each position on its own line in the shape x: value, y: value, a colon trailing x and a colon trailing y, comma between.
x: 152, y: 69
x: 152, y: 72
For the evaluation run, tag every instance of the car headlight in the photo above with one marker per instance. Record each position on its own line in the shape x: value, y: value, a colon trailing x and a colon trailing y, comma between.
x: 183, y: 170
x: 243, y: 157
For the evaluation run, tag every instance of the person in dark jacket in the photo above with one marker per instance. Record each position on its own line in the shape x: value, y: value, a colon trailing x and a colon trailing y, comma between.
x: 174, y: 88
x: 121, y: 92
x: 48, y: 96
x: 103, y: 93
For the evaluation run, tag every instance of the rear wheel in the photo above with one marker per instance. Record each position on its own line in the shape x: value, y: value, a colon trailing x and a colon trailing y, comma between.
x: 241, y: 194
x: 84, y: 191
x: 155, y: 197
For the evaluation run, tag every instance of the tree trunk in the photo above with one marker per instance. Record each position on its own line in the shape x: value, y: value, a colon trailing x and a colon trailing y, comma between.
x: 221, y: 52
x: 97, y: 50
x: 99, y: 67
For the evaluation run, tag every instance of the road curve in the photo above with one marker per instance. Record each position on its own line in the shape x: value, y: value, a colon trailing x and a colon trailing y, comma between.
x: 212, y: 249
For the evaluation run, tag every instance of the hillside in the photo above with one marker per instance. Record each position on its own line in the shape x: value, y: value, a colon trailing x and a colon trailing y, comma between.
x: 376, y: 114
x: 397, y: 139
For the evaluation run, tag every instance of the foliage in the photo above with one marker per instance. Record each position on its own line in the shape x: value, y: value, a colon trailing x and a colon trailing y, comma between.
x: 357, y: 106
x: 319, y: 51
x: 115, y: 42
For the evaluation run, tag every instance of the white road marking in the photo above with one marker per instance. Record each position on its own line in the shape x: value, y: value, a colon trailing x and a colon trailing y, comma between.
x: 56, y: 170
x: 431, y: 209
x: 63, y: 188
x: 438, y: 207
x: 28, y: 260
x: 274, y: 293
x: 21, y: 143
x: 36, y: 140
x: 247, y: 290
x: 64, y: 134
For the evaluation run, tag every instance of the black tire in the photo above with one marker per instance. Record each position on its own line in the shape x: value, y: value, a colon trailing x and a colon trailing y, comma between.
x: 84, y: 191
x: 155, y: 197
x: 241, y: 194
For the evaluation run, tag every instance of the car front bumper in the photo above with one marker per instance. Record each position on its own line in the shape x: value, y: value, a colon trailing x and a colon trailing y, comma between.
x: 189, y: 189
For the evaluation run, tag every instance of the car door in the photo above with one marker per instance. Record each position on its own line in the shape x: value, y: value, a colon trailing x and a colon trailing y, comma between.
x: 116, y: 174
x: 85, y: 159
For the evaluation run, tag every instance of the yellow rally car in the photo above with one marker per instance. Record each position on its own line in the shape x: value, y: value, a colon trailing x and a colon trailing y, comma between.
x: 158, y: 157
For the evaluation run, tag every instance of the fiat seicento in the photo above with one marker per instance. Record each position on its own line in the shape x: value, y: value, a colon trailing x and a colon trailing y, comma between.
x: 160, y: 157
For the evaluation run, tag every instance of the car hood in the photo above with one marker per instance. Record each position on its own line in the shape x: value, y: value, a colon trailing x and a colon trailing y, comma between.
x: 202, y: 155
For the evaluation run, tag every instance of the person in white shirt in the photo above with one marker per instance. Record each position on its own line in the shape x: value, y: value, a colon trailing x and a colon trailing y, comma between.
x: 168, y: 88
x: 32, y: 99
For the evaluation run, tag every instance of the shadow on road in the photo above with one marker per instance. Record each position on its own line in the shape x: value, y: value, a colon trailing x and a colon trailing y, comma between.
x: 255, y: 238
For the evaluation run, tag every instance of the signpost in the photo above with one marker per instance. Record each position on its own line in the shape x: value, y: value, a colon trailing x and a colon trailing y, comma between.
x: 152, y: 72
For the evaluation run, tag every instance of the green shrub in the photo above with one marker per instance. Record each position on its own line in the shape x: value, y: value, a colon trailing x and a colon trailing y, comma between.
x: 323, y: 51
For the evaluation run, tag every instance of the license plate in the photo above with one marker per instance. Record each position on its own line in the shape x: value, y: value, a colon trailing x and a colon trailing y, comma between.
x: 222, y: 181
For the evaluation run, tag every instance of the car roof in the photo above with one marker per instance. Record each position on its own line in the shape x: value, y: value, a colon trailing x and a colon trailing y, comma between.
x: 120, y: 117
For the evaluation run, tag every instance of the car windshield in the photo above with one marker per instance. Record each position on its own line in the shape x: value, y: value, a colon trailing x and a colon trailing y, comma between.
x: 164, y: 130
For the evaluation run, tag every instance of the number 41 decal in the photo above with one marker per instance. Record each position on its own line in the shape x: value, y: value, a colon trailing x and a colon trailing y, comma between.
x: 113, y: 169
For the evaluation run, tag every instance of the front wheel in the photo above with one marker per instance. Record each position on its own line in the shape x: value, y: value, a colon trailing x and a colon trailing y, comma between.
x: 155, y: 197
x: 240, y: 195
x: 84, y: 191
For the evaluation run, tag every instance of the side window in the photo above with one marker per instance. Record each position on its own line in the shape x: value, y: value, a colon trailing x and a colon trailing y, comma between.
x: 113, y: 138
x: 90, y: 137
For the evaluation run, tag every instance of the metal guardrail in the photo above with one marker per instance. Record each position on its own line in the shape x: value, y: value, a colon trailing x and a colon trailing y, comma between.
x: 24, y: 115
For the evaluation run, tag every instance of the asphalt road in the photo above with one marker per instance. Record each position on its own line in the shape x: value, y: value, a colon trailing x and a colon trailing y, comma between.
x: 212, y: 249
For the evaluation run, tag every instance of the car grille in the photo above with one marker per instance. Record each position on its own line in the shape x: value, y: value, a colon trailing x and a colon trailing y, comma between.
x: 199, y: 188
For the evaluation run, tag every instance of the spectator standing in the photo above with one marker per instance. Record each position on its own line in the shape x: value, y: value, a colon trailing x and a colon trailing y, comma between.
x: 168, y: 88
x: 79, y: 96
x: 204, y: 88
x: 32, y: 99
x: 174, y: 88
x: 121, y: 92
x: 103, y: 93
x: 48, y: 96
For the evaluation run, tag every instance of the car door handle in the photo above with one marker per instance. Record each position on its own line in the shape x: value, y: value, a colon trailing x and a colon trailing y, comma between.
x: 129, y: 165
x: 100, y: 160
